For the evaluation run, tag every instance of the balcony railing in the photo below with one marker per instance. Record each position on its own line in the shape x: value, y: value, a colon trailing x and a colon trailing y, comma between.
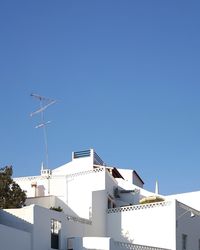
x: 125, y: 246
x: 138, y: 207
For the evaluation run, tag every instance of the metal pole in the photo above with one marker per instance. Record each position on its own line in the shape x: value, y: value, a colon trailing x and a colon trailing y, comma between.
x: 44, y: 104
x: 45, y: 134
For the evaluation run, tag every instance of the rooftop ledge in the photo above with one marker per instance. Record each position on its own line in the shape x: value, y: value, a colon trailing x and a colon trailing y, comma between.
x: 138, y: 207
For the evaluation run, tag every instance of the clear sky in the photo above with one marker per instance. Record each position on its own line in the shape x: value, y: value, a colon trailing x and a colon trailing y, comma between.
x: 126, y: 75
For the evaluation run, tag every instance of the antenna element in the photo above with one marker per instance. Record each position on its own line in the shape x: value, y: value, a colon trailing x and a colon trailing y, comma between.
x: 44, y: 104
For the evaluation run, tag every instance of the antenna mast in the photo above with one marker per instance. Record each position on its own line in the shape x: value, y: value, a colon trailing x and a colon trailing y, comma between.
x: 44, y: 104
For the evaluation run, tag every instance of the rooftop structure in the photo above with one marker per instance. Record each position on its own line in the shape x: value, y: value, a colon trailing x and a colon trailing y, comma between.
x: 103, y: 208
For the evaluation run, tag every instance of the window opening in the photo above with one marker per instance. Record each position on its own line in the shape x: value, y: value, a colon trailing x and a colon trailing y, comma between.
x: 55, y: 231
x: 184, y: 241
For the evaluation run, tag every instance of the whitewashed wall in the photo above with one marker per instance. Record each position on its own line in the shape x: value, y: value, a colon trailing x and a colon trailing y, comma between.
x: 99, y: 207
x: 50, y: 201
x: 73, y: 191
x: 41, y: 235
x: 131, y: 176
x: 188, y: 224
x: 12, y: 238
x: 42, y: 185
x: 191, y: 199
x: 40, y: 229
x: 94, y: 243
x: 78, y: 191
x: 127, y: 174
x: 27, y: 184
x: 44, y: 201
x: 21, y: 219
x: 151, y: 225
x: 132, y: 198
x: 70, y: 227
x: 110, y: 184
x: 74, y: 166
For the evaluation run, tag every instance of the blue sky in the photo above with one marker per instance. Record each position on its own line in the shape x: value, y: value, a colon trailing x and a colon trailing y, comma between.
x: 126, y: 75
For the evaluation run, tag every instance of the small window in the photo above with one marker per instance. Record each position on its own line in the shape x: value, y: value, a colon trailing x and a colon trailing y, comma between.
x: 184, y: 241
x: 55, y: 230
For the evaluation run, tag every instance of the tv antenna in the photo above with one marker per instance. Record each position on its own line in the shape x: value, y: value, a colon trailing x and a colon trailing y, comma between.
x: 44, y: 104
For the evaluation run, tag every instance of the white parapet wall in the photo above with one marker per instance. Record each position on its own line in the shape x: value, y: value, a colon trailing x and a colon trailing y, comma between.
x: 191, y: 199
x: 96, y: 243
x: 71, y: 190
x: 150, y: 224
x: 90, y: 243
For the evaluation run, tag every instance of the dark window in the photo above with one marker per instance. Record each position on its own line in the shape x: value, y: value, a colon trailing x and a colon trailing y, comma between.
x: 184, y: 241
x: 55, y: 230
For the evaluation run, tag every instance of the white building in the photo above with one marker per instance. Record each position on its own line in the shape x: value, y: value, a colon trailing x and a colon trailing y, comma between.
x: 101, y: 209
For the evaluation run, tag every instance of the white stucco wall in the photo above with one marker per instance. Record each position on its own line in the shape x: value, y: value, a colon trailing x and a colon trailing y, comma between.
x: 96, y: 243
x: 78, y: 191
x: 74, y: 166
x: 188, y: 224
x: 44, y: 201
x: 99, y: 208
x: 42, y: 228
x: 83, y: 192
x: 11, y: 238
x: 21, y: 219
x: 41, y: 225
x: 110, y: 183
x: 131, y: 176
x: 132, y: 198
x: 42, y: 185
x: 50, y: 202
x: 151, y: 225
x: 191, y: 199
x: 25, y: 213
x: 93, y: 243
x: 127, y: 174
x: 28, y: 185
x: 71, y: 190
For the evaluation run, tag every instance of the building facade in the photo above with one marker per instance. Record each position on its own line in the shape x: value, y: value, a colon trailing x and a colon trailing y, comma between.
x: 103, y: 208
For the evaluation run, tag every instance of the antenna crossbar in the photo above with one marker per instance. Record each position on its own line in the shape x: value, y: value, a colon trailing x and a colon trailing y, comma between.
x: 44, y: 104
x: 42, y: 108
x: 41, y: 97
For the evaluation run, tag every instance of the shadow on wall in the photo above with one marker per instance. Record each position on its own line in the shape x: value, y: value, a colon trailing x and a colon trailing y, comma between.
x: 51, y: 201
x: 10, y: 220
x: 114, y: 219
